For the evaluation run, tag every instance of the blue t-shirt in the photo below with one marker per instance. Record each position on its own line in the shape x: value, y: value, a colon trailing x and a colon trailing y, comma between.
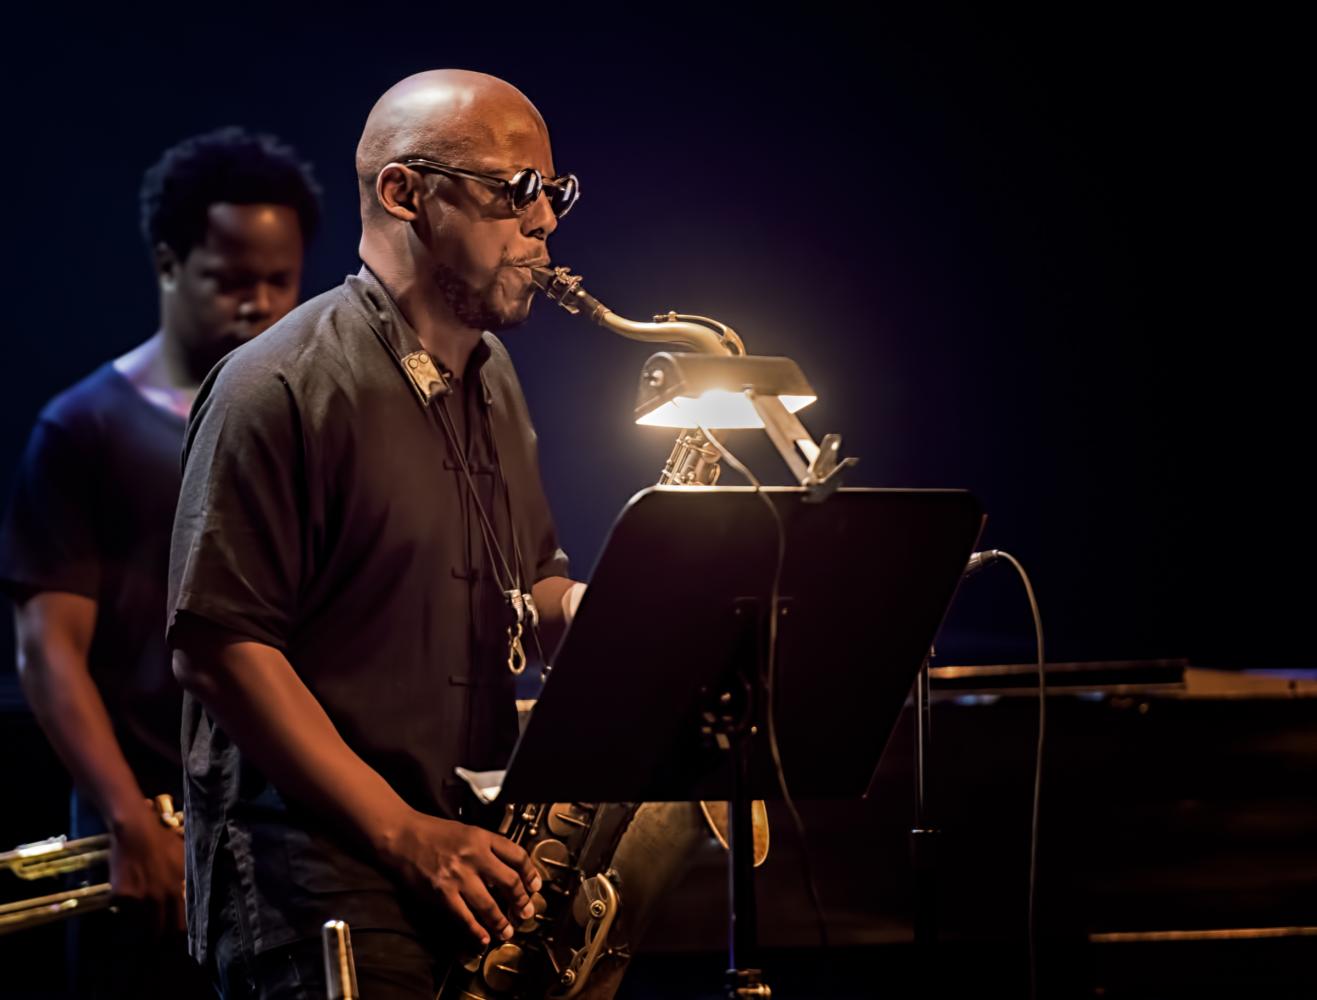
x: 91, y: 513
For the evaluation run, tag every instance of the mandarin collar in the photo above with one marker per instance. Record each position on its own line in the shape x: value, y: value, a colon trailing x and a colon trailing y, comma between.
x: 424, y: 373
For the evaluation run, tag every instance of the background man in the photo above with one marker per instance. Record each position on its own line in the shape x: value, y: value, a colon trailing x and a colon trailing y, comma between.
x: 360, y: 492
x: 85, y: 541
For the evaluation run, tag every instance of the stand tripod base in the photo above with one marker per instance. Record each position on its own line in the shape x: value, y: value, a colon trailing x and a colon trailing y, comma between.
x: 744, y: 984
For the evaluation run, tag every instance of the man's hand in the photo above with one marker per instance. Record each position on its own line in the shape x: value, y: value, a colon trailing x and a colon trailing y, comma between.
x: 146, y: 868
x: 255, y: 695
x: 54, y: 632
x: 461, y: 864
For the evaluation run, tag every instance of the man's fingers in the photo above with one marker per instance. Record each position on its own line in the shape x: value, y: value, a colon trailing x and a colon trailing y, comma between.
x: 482, y: 904
x: 513, y: 856
x: 464, y: 915
x: 510, y: 886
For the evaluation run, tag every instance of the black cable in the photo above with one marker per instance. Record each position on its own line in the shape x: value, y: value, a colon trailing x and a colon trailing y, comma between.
x: 978, y: 560
x: 770, y: 684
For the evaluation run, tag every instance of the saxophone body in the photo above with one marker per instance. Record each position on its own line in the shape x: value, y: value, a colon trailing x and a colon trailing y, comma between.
x: 604, y: 866
x: 578, y: 943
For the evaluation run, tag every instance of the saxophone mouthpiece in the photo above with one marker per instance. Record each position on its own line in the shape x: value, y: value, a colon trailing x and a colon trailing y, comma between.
x: 564, y: 288
x: 542, y: 276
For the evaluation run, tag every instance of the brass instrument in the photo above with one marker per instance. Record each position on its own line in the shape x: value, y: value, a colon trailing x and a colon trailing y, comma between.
x: 694, y: 461
x: 58, y: 856
x: 591, y: 856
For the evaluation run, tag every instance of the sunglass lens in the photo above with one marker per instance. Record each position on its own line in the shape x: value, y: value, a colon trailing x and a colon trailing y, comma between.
x: 526, y: 186
x: 563, y: 193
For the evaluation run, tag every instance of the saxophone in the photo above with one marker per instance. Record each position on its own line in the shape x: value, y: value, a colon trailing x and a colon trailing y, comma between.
x: 577, y: 944
x: 694, y: 460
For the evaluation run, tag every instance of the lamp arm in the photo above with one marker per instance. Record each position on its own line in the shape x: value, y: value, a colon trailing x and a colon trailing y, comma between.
x: 816, y: 467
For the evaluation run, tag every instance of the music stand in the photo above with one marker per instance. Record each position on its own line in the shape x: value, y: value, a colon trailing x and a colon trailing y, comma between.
x: 657, y: 688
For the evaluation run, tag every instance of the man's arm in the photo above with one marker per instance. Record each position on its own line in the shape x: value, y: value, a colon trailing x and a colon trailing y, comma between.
x: 253, y: 693
x: 555, y: 606
x: 54, y: 632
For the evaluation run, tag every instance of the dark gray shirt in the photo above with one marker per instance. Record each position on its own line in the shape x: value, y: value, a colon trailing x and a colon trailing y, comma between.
x: 324, y: 512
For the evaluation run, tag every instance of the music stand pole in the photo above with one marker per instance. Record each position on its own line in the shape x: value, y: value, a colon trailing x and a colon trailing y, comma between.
x: 744, y: 978
x: 923, y: 836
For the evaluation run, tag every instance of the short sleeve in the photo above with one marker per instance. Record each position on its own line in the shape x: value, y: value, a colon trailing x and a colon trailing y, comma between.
x: 236, y: 552
x: 48, y: 540
x: 550, y: 559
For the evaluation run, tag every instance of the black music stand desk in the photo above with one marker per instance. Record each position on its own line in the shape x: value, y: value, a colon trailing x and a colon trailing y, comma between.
x: 657, y: 691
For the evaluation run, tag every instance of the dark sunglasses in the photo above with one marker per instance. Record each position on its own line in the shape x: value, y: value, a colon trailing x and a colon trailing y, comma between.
x: 521, y: 190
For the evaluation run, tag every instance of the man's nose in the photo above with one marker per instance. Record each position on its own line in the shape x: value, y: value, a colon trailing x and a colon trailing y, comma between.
x: 256, y: 304
x: 538, y: 221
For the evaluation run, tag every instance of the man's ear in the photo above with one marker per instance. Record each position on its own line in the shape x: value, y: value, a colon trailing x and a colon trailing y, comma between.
x: 167, y: 266
x: 399, y: 191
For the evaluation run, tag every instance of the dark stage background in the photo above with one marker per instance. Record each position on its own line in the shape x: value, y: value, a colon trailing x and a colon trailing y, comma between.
x: 999, y: 249
x: 1048, y: 260
x: 1004, y: 251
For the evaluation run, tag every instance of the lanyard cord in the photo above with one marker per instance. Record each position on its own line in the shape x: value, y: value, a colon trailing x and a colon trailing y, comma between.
x: 487, y: 533
x: 516, y: 549
x: 414, y: 365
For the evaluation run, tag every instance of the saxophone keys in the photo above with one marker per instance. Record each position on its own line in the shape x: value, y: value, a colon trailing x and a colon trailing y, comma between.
x: 564, y: 819
x: 472, y: 964
x: 552, y: 858
x: 502, y: 967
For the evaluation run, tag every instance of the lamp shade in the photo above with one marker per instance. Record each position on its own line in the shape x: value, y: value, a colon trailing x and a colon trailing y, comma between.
x: 709, y: 390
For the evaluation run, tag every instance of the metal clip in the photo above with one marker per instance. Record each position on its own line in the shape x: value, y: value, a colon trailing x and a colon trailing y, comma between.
x: 516, y: 654
x: 426, y: 376
x: 523, y: 607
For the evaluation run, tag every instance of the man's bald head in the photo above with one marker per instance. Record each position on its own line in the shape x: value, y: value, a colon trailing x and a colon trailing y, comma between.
x: 455, y: 116
x: 457, y: 241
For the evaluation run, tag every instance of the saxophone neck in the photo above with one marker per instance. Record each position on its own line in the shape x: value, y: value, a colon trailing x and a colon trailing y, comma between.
x: 694, y: 459
x: 697, y: 333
